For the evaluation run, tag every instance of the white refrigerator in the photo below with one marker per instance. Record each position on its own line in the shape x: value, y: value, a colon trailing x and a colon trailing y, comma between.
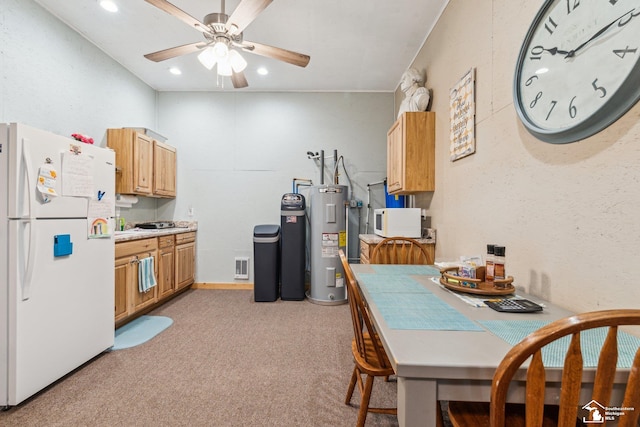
x: 56, y: 257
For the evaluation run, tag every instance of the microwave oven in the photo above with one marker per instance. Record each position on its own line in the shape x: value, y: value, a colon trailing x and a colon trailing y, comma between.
x: 397, y: 222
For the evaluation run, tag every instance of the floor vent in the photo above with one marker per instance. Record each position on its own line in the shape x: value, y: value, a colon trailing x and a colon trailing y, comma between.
x: 242, y: 268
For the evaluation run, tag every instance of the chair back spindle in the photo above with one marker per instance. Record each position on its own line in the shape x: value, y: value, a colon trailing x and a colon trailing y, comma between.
x: 400, y: 250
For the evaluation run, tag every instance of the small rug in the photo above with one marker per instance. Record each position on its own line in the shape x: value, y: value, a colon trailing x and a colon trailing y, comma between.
x: 139, y: 331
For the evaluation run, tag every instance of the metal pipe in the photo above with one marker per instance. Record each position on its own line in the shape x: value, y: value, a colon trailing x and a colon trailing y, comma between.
x: 346, y: 226
x: 321, y: 167
x: 294, y: 184
x: 309, y: 184
x: 335, y: 169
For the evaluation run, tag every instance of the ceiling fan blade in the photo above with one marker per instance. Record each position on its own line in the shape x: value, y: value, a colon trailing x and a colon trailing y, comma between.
x: 161, y: 55
x: 244, y: 14
x: 294, y: 58
x: 238, y: 80
x: 180, y: 14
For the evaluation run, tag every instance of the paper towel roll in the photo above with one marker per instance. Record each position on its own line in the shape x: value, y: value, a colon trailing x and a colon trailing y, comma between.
x: 125, y: 201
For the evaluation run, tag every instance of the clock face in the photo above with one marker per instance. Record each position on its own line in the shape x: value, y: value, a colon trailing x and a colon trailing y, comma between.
x: 578, y: 70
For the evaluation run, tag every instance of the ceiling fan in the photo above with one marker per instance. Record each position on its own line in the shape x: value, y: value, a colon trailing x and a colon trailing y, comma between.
x: 223, y: 35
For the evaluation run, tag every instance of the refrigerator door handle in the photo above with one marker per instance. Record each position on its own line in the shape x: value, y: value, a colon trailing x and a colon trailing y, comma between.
x: 26, y: 159
x: 31, y: 260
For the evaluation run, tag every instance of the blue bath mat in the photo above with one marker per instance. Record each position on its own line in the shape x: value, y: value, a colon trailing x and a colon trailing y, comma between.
x: 139, y: 331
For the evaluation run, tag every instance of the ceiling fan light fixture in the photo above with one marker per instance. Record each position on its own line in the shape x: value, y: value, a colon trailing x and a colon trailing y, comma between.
x: 224, y: 67
x: 109, y: 5
x: 208, y: 58
x: 220, y: 49
x: 238, y: 63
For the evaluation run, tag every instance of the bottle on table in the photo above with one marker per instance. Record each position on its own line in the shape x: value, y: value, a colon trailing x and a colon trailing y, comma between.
x: 489, y: 264
x: 498, y: 265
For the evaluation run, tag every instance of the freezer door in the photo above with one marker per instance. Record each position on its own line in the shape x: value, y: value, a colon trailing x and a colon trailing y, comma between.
x: 88, y: 173
x: 68, y: 318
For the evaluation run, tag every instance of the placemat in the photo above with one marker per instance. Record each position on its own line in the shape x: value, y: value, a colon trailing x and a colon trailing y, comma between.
x: 514, y: 331
x: 390, y: 283
x: 395, y: 269
x: 406, y: 306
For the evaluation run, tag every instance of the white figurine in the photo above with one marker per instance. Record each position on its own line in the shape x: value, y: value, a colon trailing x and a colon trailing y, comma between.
x: 416, y: 96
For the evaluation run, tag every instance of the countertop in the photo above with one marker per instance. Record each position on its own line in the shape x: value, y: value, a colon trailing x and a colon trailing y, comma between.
x: 375, y: 239
x: 132, y: 233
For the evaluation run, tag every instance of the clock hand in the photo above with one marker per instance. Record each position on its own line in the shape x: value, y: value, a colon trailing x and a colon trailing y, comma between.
x: 572, y: 52
x: 555, y: 50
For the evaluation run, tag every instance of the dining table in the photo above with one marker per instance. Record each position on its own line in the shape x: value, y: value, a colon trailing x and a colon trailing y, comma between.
x: 446, y: 345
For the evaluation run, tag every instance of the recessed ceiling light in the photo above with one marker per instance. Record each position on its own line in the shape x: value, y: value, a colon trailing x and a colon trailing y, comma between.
x: 263, y: 71
x: 109, y: 5
x: 175, y: 71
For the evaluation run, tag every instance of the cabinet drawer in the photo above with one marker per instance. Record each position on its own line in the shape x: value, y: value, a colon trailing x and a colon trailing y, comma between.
x: 185, y: 237
x: 133, y: 247
x: 166, y: 241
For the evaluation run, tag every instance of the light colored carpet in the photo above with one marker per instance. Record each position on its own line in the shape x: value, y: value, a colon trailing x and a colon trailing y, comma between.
x: 225, y: 361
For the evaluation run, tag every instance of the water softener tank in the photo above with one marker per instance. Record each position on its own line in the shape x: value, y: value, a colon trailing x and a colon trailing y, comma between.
x: 293, y: 233
x: 327, y: 235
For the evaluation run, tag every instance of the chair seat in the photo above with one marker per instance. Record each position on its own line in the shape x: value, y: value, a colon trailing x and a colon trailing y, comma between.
x: 371, y: 365
x: 476, y: 414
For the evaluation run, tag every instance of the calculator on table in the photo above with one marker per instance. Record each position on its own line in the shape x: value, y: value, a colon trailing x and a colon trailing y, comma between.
x: 514, y: 305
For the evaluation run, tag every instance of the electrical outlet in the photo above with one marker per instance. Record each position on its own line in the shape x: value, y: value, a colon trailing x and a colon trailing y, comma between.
x: 190, y: 211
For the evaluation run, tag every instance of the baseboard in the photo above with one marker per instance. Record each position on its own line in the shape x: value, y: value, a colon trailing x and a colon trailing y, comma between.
x: 223, y: 286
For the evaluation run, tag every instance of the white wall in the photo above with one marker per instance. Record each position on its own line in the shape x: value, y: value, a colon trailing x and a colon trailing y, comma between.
x: 239, y: 152
x: 566, y: 213
x: 54, y: 79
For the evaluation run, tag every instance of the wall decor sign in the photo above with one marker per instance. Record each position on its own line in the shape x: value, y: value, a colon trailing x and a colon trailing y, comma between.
x: 462, y: 117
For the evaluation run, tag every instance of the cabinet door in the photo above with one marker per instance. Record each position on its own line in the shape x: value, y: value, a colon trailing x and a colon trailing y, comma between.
x: 164, y: 170
x: 185, y: 264
x: 395, y: 157
x: 411, y: 154
x: 142, y: 164
x: 166, y: 269
x: 143, y: 299
x: 122, y: 279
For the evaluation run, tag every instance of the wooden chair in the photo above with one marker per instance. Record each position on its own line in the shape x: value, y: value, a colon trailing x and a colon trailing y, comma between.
x: 369, y: 355
x: 534, y: 412
x: 400, y: 250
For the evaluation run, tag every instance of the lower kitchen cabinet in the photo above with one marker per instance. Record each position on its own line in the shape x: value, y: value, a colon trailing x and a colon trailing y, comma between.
x: 166, y: 266
x: 128, y: 297
x: 185, y: 259
x: 174, y: 257
x: 123, y: 272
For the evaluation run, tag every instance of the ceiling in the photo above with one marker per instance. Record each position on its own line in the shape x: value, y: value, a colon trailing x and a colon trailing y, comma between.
x: 355, y: 45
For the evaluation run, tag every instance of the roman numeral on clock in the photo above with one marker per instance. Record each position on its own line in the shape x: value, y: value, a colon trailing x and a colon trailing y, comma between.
x: 622, y: 52
x: 550, y: 25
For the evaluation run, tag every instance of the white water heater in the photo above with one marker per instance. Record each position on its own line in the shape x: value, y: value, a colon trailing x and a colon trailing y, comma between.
x: 327, y: 235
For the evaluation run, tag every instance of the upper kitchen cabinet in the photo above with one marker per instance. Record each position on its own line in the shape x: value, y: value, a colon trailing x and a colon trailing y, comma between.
x: 144, y: 166
x: 411, y: 153
x: 164, y: 169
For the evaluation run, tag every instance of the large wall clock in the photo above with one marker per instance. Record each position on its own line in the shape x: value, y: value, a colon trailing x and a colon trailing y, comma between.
x: 578, y: 70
